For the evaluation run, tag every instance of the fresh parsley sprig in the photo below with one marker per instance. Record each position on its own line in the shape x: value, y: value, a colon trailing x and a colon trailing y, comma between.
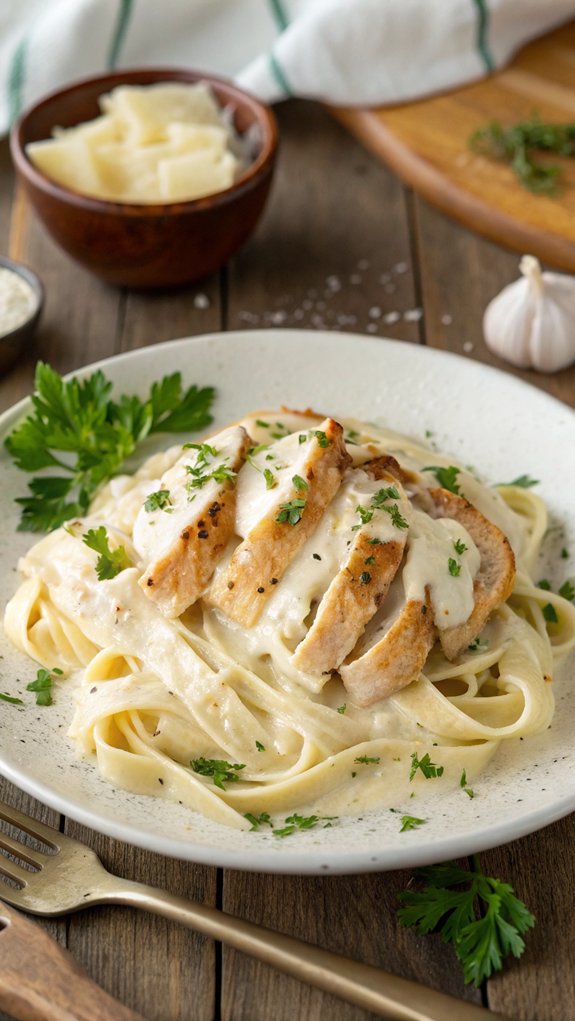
x: 77, y: 430
x: 480, y: 916
x: 220, y: 770
x: 110, y: 562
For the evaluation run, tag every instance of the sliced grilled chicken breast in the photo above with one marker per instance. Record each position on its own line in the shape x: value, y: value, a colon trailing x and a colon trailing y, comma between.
x: 394, y: 652
x: 184, y: 527
x: 282, y: 494
x: 361, y: 584
x: 494, y: 580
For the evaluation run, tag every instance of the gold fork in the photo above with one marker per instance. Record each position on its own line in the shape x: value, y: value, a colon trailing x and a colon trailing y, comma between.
x: 72, y: 876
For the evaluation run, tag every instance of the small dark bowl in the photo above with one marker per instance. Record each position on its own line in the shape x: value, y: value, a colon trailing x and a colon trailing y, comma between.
x: 147, y: 246
x: 13, y: 342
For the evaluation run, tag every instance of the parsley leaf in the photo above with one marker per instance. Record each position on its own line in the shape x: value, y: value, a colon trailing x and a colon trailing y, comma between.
x: 448, y: 903
x: 459, y: 546
x: 410, y: 822
x: 77, y: 430
x: 296, y: 822
x: 4, y: 697
x: 522, y: 481
x: 42, y: 685
x: 110, y: 562
x: 427, y: 767
x: 291, y: 512
x: 567, y: 590
x: 218, y: 769
x: 447, y: 477
x: 263, y: 819
x: 159, y: 500
x: 454, y: 567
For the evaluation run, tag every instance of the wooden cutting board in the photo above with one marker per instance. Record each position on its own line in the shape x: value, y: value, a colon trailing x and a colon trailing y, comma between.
x: 426, y: 144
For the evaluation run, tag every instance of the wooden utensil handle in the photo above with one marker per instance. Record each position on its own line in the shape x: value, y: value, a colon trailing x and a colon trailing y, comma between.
x: 40, y: 981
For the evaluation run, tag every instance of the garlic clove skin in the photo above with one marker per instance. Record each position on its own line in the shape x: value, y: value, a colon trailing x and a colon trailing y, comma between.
x: 531, y: 323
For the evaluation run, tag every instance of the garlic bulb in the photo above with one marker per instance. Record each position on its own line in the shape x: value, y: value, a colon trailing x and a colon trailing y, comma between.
x: 531, y: 323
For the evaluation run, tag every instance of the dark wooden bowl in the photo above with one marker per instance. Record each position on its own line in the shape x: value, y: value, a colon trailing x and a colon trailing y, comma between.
x: 147, y: 246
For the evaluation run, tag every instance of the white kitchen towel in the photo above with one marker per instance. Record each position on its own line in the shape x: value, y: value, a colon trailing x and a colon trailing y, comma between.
x: 357, y: 52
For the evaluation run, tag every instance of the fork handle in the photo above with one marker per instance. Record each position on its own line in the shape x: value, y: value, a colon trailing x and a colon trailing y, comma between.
x: 40, y: 981
x: 371, y: 988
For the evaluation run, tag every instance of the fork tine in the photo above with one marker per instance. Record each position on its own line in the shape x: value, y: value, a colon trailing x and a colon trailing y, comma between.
x: 22, y: 851
x: 34, y: 828
x: 11, y: 870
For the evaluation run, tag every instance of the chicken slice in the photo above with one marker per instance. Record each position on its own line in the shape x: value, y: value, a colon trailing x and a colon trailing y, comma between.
x: 395, y: 650
x: 184, y: 527
x: 360, y: 586
x: 494, y: 580
x: 282, y: 494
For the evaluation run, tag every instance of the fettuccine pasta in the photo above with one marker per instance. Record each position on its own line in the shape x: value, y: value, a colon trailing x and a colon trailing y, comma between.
x: 321, y: 686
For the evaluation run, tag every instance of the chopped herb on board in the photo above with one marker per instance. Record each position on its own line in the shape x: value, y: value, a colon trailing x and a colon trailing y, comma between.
x: 518, y: 146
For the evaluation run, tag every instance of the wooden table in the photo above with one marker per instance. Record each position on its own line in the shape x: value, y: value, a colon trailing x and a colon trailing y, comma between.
x: 335, y: 211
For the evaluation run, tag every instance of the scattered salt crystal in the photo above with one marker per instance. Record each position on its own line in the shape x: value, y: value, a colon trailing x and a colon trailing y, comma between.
x: 278, y: 317
x: 201, y: 301
x: 312, y: 293
x: 298, y: 314
x: 400, y: 267
x: 390, y: 288
x: 307, y: 304
x: 385, y: 278
x: 320, y: 305
x: 334, y: 283
x: 248, y: 317
x: 391, y: 317
x: 468, y: 347
x: 371, y: 327
x: 413, y: 315
x: 317, y: 321
x: 375, y: 312
x: 446, y: 320
x: 363, y: 264
x: 355, y: 278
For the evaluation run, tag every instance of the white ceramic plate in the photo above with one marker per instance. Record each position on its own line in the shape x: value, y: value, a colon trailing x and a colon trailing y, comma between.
x: 479, y: 416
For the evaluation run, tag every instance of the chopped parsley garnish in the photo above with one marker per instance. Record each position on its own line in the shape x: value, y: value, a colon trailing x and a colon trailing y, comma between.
x: 567, y: 591
x: 220, y: 770
x: 387, y: 493
x: 369, y: 561
x: 351, y: 436
x: 263, y: 819
x: 262, y: 424
x: 374, y: 542
x: 42, y: 685
x: 321, y: 437
x: 397, y: 520
x: 365, y: 760
x: 565, y: 553
x: 271, y: 481
x: 459, y: 547
x: 365, y: 515
x: 478, y: 645
x: 519, y: 146
x: 95, y: 433
x: 291, y: 512
x: 464, y: 785
x: 159, y: 500
x: 302, y: 438
x: 342, y: 708
x: 522, y: 482
x: 550, y: 613
x: 202, y: 470
x: 365, y: 577
x: 454, y: 567
x: 260, y: 747
x: 5, y: 697
x: 544, y: 584
x: 205, y: 450
x: 427, y: 767
x: 480, y: 916
x: 447, y: 477
x: 299, y: 484
x: 296, y: 822
x: 110, y: 562
x: 410, y: 822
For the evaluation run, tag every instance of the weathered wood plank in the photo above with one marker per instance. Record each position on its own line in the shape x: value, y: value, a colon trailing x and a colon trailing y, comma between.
x: 333, y: 249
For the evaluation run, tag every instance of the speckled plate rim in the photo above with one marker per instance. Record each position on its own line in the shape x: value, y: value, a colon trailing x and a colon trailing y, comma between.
x: 477, y: 414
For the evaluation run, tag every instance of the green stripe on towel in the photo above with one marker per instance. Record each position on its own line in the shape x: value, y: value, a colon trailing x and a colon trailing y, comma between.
x: 482, y: 34
x: 279, y: 75
x: 120, y: 30
x: 279, y: 14
x: 16, y: 78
